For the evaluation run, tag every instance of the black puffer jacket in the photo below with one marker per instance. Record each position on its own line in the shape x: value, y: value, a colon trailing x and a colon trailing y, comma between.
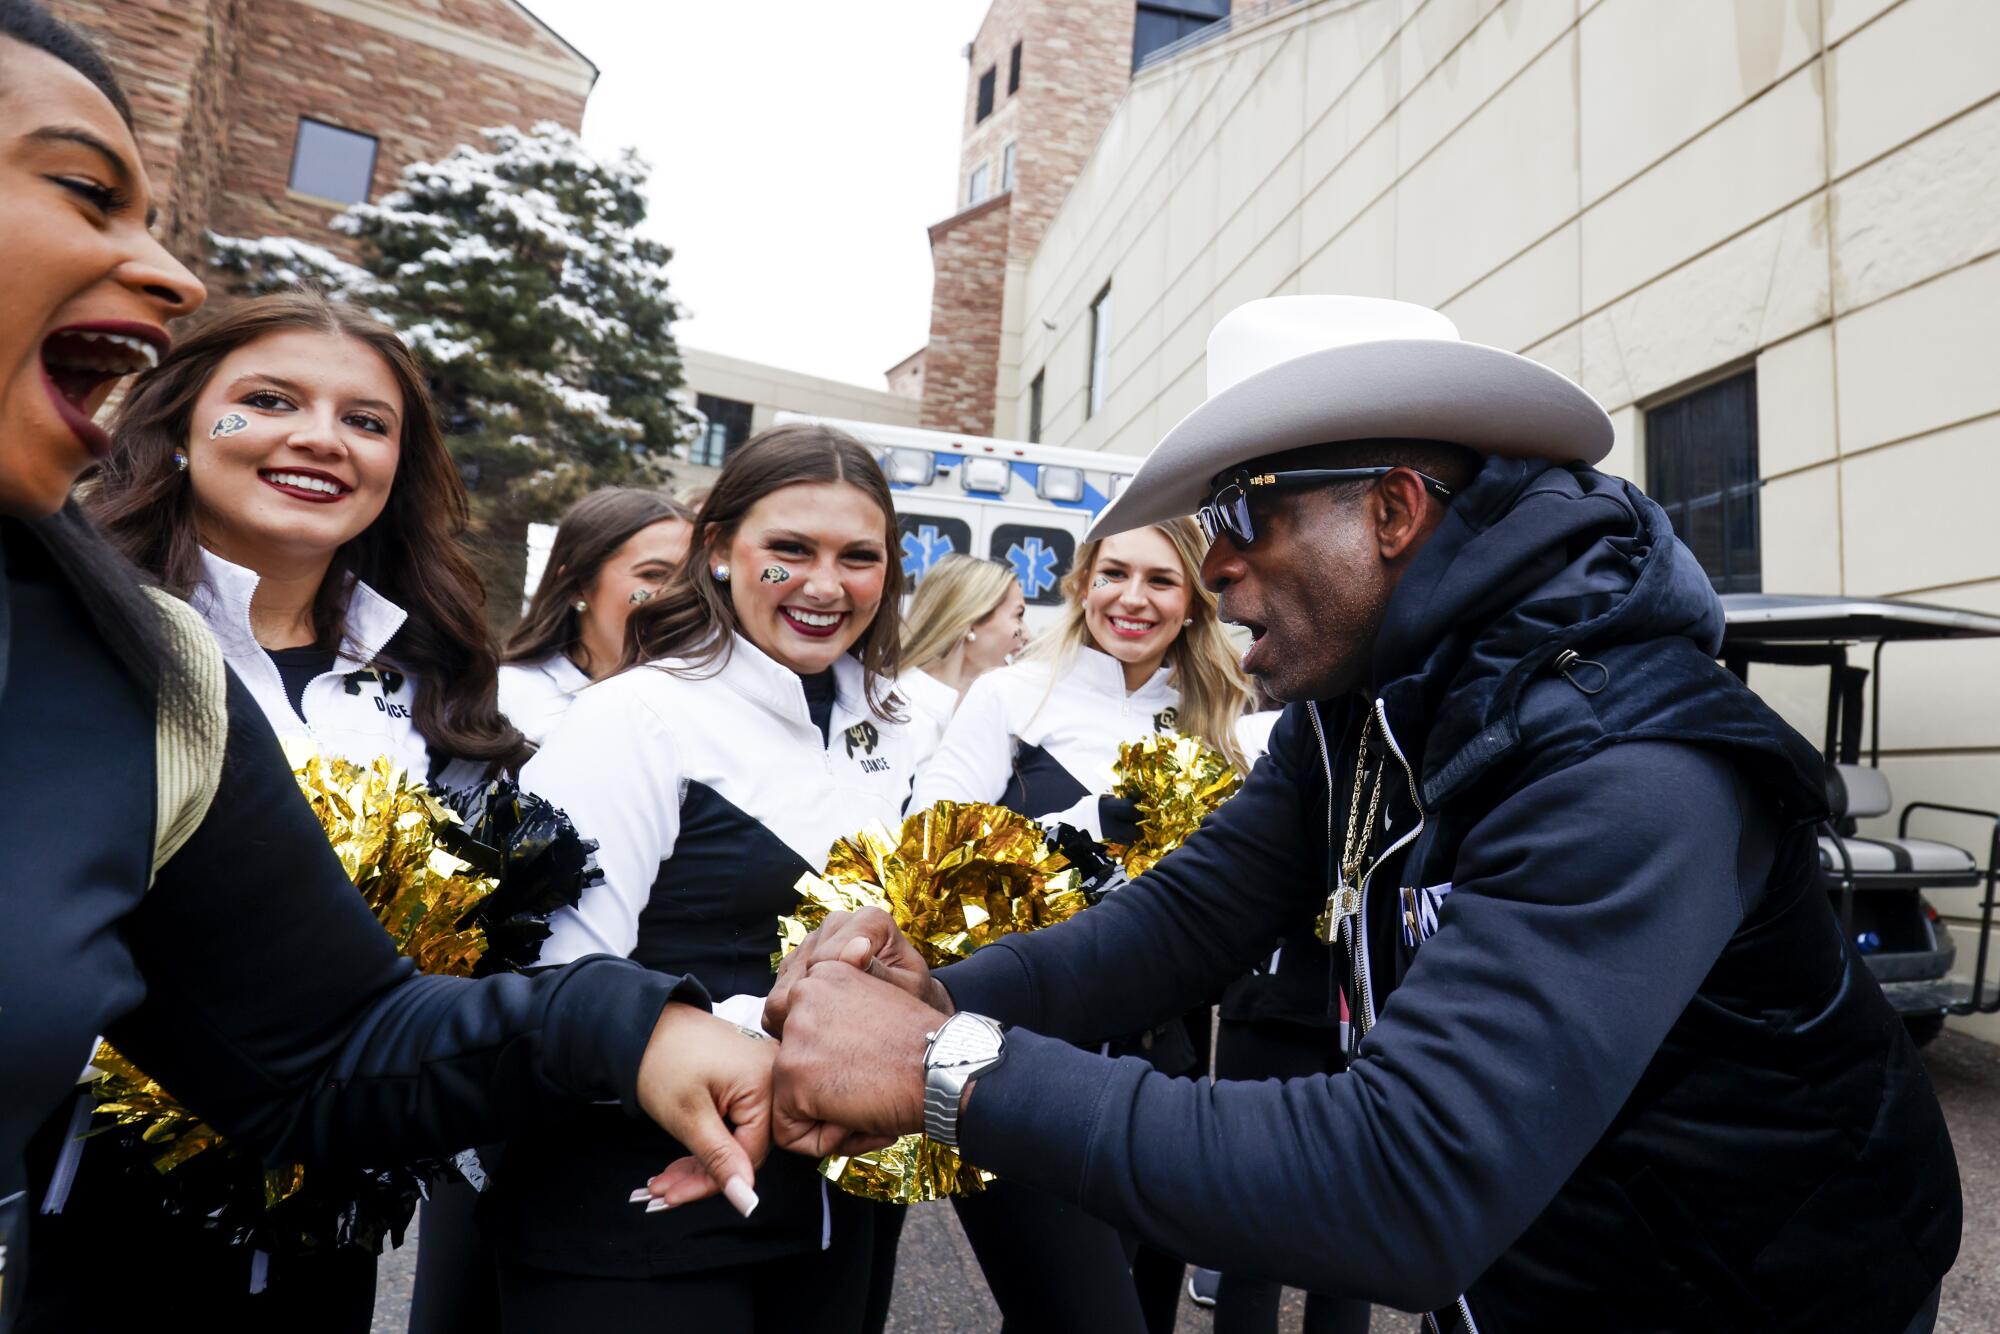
x: 1634, y: 1080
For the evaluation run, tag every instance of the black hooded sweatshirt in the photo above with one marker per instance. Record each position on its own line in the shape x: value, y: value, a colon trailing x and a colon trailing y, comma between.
x: 1634, y: 1079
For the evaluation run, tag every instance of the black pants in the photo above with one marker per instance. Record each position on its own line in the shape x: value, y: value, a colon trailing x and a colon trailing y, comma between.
x: 1052, y: 1268
x: 888, y: 1227
x: 458, y: 1276
x: 816, y: 1290
x: 821, y: 1291
x: 1278, y: 1051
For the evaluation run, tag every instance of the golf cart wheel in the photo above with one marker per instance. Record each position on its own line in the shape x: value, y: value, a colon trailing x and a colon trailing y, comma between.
x: 1923, y: 1027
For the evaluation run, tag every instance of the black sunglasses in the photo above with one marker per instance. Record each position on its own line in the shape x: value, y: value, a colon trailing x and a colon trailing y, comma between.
x: 1228, y: 507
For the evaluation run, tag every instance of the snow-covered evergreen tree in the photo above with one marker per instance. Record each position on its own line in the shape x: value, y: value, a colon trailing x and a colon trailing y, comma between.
x: 517, y: 271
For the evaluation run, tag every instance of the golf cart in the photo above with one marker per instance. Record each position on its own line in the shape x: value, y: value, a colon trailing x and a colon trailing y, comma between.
x: 1878, y: 883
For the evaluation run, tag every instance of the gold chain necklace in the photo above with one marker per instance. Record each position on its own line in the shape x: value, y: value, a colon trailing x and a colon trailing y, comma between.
x: 1345, y: 901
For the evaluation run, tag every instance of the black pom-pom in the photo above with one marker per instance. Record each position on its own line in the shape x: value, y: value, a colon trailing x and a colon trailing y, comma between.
x: 1100, y: 873
x: 541, y: 863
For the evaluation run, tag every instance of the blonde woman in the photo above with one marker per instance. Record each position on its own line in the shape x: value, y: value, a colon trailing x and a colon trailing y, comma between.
x: 1140, y: 649
x: 968, y: 617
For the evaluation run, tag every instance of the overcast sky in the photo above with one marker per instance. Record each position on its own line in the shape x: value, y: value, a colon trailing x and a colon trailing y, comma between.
x: 799, y: 150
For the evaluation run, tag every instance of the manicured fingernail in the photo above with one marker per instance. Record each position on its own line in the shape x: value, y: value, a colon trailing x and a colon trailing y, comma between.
x: 739, y: 1193
x: 641, y: 1195
x: 658, y: 1205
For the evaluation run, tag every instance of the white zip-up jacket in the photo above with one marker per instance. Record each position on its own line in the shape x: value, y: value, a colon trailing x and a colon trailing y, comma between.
x: 357, y: 711
x: 708, y: 797
x: 1045, y: 750
x: 536, y: 695
x: 931, y: 704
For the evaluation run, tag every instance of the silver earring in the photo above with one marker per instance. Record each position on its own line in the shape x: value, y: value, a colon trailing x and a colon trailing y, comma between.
x: 1188, y: 621
x: 722, y: 574
x: 971, y: 636
x: 180, y: 460
x: 581, y: 605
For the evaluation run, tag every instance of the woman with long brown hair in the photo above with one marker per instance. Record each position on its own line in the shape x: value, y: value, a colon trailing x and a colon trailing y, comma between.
x: 613, y: 551
x: 283, y: 469
x: 754, y: 727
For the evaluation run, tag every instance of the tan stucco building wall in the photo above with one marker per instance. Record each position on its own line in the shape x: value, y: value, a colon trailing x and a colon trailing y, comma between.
x: 1643, y: 194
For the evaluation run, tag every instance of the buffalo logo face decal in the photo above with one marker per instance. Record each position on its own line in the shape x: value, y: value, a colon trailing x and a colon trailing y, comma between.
x: 863, y: 735
x: 1166, y: 720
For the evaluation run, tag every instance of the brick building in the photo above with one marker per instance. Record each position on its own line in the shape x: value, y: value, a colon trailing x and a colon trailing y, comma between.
x: 1043, y: 77
x: 269, y: 117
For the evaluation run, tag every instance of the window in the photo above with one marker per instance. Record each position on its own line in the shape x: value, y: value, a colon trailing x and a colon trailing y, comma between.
x: 1162, y: 22
x: 1014, y: 70
x: 1100, y: 351
x: 728, y: 427
x: 1701, y: 466
x: 1035, y: 407
x: 332, y: 163
x: 985, y: 97
x: 975, y: 186
x: 1007, y: 167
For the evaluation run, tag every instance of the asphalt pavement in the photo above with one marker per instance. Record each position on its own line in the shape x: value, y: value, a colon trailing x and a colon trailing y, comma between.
x: 938, y: 1287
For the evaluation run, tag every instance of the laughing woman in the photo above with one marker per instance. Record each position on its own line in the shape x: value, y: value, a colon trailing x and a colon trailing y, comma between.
x: 166, y: 883
x: 283, y: 469
x: 756, y: 730
x: 1140, y: 649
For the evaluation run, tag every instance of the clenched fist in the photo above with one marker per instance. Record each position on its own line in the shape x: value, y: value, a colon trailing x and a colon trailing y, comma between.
x: 853, y: 1057
x: 868, y: 940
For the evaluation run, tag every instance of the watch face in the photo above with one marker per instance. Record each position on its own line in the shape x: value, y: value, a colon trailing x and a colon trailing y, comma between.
x: 965, y: 1044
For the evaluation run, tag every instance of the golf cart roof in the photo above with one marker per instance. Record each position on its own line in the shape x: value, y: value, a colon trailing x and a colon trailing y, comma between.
x: 1780, y: 618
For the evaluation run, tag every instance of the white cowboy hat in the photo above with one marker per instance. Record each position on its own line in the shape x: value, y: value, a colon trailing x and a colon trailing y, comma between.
x: 1288, y: 371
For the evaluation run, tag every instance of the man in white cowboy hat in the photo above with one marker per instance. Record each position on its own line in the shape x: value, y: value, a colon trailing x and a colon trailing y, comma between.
x: 1613, y: 1065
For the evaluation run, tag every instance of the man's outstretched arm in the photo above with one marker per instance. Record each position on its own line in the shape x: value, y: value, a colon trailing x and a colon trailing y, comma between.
x: 1171, y: 939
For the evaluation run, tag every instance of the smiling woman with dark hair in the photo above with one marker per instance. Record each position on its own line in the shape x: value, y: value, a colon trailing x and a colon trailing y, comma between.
x: 166, y: 883
x: 283, y: 469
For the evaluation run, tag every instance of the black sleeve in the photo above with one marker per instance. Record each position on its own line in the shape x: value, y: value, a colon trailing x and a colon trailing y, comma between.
x: 1175, y: 937
x: 277, y: 1007
x: 1587, y: 910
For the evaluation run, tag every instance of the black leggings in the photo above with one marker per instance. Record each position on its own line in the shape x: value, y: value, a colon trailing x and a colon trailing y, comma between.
x: 1278, y: 1051
x: 817, y: 1290
x: 1052, y: 1268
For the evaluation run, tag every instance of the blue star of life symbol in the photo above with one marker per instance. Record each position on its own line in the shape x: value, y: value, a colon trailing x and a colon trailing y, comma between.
x: 1034, y: 565
x: 923, y: 549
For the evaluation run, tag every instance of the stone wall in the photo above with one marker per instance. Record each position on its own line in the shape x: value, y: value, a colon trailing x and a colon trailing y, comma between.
x: 1076, y: 58
x: 418, y: 100
x: 969, y: 257
x: 172, y: 58
x: 218, y: 87
x: 984, y: 140
x: 1076, y: 66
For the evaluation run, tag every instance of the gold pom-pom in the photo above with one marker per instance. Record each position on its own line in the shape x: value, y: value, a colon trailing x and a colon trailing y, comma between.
x: 1176, y: 781
x: 956, y: 877
x: 384, y: 826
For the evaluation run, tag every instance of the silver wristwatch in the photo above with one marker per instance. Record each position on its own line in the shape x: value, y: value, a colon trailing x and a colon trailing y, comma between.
x: 961, y: 1049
